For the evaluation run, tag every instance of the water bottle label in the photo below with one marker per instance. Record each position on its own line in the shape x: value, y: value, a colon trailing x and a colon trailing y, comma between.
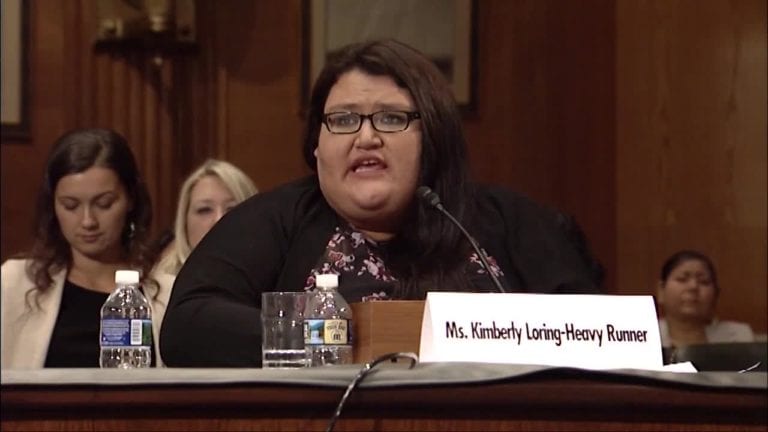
x: 326, y: 332
x: 126, y: 332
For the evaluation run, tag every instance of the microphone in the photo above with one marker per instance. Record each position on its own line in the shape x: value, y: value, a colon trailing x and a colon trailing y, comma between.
x: 431, y: 198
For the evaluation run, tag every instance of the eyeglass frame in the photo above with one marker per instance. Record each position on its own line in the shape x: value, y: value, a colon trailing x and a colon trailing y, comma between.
x: 410, y: 116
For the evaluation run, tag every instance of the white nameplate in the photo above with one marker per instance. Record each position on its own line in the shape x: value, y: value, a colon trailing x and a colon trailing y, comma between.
x: 574, y: 330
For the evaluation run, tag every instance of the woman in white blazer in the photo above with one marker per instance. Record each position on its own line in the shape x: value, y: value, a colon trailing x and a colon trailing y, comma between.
x: 93, y: 216
x: 687, y: 294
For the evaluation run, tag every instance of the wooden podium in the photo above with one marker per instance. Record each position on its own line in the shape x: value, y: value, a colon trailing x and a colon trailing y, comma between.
x: 382, y: 327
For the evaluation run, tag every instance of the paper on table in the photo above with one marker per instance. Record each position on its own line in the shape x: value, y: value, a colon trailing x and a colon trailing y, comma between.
x: 684, y: 367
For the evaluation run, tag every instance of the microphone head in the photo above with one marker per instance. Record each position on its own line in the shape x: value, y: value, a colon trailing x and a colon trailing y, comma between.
x: 426, y: 194
x: 423, y: 191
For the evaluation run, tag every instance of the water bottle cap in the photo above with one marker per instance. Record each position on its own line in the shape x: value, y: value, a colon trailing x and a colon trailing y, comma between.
x: 127, y: 277
x: 328, y: 280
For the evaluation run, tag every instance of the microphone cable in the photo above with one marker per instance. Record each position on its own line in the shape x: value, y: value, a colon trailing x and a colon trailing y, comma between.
x: 362, y: 374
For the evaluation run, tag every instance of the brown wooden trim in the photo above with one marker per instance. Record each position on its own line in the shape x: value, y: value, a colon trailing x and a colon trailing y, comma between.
x: 528, y: 403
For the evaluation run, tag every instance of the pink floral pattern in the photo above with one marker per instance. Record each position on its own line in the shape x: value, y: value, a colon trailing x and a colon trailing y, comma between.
x: 353, y: 256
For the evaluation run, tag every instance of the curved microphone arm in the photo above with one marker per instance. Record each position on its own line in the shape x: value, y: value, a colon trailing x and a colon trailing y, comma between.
x: 431, y: 198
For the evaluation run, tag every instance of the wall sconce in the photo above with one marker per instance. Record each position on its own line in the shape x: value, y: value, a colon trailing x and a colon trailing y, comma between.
x: 163, y: 28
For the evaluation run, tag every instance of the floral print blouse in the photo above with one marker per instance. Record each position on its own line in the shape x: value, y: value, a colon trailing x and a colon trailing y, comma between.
x: 358, y: 262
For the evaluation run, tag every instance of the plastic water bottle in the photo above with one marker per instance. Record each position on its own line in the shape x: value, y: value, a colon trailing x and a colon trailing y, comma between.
x: 327, y: 324
x: 126, y: 325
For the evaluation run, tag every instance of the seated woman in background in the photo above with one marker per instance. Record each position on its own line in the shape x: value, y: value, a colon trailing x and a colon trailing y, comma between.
x: 210, y: 191
x: 93, y: 215
x: 687, y: 293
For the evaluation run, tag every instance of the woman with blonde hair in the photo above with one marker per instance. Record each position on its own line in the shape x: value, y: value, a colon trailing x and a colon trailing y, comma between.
x: 211, y: 190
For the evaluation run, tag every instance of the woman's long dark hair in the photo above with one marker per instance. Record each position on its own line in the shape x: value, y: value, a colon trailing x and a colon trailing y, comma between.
x: 429, y: 252
x: 75, y: 152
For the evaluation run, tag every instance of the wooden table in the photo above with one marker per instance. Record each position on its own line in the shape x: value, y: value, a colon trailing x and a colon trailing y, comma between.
x: 432, y: 397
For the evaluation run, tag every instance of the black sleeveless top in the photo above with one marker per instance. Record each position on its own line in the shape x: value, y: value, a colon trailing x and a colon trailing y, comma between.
x: 75, y: 339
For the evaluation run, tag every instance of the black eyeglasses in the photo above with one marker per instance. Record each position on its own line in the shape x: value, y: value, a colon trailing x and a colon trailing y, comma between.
x: 383, y: 121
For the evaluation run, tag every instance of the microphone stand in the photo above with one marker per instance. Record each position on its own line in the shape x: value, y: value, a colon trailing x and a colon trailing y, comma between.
x: 433, y: 200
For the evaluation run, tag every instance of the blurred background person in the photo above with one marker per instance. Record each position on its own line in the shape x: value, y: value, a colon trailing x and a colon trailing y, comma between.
x: 211, y: 190
x: 93, y: 215
x: 687, y: 295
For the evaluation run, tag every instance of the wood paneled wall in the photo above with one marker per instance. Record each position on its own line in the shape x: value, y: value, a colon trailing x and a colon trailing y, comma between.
x: 260, y: 86
x: 74, y: 86
x: 691, y: 144
x: 644, y: 119
x: 544, y: 122
x: 53, y: 103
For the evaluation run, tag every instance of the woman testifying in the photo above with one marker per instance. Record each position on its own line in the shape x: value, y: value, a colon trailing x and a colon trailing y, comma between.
x: 382, y: 122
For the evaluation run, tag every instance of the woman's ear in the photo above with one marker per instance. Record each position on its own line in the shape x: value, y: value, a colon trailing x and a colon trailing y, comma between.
x: 130, y: 223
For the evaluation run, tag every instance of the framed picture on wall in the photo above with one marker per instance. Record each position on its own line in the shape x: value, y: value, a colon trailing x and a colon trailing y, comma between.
x: 13, y: 59
x: 442, y: 29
